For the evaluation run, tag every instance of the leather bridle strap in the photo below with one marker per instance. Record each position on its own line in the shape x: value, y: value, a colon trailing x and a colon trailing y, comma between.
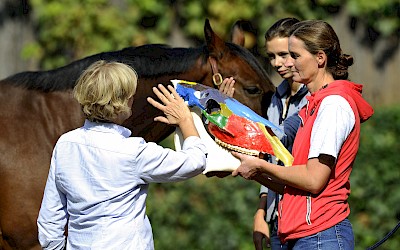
x: 217, y: 77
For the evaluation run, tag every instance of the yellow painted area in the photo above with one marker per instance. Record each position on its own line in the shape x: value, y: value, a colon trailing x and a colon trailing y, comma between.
x: 225, y: 111
x: 183, y: 81
x: 280, y: 151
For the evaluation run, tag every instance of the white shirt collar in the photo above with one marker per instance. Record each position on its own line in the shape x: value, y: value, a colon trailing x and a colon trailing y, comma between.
x: 107, y: 127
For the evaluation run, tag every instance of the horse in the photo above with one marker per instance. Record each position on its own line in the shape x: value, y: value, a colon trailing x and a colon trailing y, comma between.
x: 37, y: 107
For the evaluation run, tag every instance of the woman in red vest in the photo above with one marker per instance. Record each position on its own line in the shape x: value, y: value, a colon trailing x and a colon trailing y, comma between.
x: 314, y: 209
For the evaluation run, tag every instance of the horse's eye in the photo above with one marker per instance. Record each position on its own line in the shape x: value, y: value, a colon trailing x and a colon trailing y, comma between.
x: 253, y: 90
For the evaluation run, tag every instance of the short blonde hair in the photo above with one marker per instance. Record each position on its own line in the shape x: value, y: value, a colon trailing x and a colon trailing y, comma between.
x: 104, y: 88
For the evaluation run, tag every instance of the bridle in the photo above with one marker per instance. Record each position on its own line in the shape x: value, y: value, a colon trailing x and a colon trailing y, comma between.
x: 216, y: 77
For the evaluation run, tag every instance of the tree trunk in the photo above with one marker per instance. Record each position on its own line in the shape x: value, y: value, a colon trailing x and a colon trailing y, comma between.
x: 16, y: 30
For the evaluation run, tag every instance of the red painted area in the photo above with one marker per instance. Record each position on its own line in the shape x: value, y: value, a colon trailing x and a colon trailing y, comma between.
x: 242, y: 132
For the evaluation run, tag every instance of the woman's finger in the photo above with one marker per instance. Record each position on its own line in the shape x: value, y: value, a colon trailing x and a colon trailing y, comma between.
x: 161, y: 119
x: 165, y: 92
x: 235, y: 173
x: 155, y: 103
x: 232, y: 91
x: 158, y: 93
x: 237, y: 155
x: 175, y: 94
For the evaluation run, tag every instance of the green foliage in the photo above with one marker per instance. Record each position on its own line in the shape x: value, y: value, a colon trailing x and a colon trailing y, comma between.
x: 68, y: 30
x: 71, y: 29
x: 203, y: 213
x: 212, y: 213
x: 375, y: 190
x: 382, y: 15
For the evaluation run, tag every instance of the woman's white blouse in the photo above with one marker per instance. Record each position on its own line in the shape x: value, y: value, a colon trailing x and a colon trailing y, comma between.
x: 98, y: 182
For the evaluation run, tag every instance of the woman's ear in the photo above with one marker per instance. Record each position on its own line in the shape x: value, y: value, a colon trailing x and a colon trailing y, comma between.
x: 321, y: 58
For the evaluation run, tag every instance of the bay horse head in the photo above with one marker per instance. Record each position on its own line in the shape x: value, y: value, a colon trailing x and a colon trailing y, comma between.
x: 207, y: 64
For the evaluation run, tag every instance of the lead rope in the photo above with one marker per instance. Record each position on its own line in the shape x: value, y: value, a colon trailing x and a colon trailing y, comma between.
x: 385, y: 238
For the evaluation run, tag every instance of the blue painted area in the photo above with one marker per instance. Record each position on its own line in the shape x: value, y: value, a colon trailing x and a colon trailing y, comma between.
x: 241, y: 110
x: 188, y: 94
x: 206, y: 93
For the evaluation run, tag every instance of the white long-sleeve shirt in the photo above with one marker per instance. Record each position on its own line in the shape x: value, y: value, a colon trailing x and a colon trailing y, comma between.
x: 98, y: 182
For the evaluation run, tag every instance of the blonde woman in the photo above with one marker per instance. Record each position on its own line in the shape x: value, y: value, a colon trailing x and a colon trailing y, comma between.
x: 99, y: 175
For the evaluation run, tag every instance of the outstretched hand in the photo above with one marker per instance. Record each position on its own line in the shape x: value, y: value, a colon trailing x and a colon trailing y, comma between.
x: 249, y: 167
x: 173, y: 106
x: 227, y: 87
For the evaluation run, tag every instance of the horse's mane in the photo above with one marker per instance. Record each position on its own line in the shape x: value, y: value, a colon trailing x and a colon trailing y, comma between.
x: 155, y: 60
x: 150, y: 60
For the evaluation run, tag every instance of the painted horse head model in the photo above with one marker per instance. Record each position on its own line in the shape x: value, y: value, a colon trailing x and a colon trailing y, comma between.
x: 227, y: 125
x: 37, y: 107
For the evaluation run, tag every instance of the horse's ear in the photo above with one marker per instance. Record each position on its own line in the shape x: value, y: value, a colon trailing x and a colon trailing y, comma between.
x: 244, y: 34
x: 237, y: 33
x: 215, y: 44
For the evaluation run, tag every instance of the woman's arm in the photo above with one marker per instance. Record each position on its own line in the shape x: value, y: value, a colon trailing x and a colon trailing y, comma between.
x: 52, y: 215
x: 334, y: 122
x: 311, y: 177
x: 290, y: 126
x: 260, y: 226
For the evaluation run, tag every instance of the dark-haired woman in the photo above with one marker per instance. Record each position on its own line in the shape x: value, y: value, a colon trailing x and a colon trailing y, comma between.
x: 314, y: 209
x: 286, y: 102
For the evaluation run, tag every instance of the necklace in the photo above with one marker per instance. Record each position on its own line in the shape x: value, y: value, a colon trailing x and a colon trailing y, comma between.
x: 324, y: 87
